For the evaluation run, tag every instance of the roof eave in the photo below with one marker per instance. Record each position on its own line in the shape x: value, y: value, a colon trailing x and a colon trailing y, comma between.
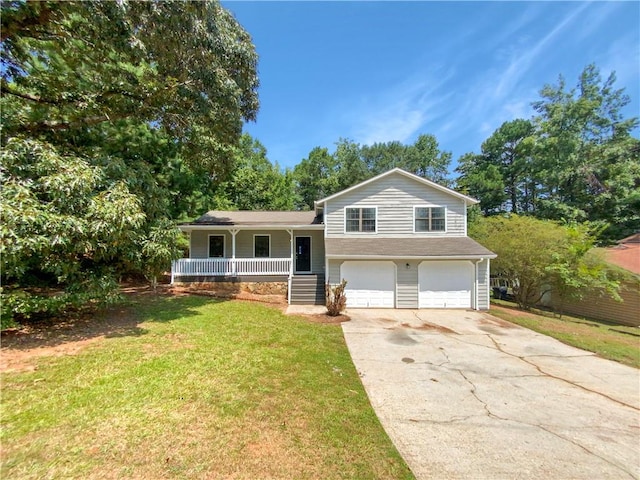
x: 414, y: 257
x: 187, y: 227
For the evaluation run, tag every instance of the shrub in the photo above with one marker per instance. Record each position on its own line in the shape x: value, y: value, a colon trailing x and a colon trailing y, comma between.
x: 336, y: 299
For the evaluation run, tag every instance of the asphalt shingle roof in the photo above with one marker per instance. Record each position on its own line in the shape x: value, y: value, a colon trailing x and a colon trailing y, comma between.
x: 246, y: 217
x: 406, y: 247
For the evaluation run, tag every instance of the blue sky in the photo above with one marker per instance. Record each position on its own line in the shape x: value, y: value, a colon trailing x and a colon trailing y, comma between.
x: 382, y: 71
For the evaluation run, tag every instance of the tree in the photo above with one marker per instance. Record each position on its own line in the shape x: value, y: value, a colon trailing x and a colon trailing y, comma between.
x: 117, y: 118
x: 482, y: 182
x: 423, y: 158
x: 254, y: 182
x: 538, y: 256
x: 315, y: 178
x: 186, y: 67
x: 501, y: 176
x: 575, y: 161
x: 578, y: 132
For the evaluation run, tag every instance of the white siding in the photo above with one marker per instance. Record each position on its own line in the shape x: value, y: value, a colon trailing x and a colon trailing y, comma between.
x: 334, y: 272
x: 407, y: 287
x: 395, y: 196
x: 483, y: 285
x: 200, y: 243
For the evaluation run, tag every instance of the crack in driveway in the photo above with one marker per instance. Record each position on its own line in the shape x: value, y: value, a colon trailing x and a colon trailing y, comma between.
x: 457, y: 411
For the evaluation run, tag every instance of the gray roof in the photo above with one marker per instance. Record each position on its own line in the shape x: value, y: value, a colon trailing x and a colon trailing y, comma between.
x: 406, y: 247
x: 247, y: 217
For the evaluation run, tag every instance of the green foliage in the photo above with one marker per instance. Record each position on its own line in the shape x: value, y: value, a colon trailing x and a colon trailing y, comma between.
x: 322, y: 174
x: 159, y: 247
x: 575, y: 161
x: 117, y: 119
x: 188, y: 67
x: 336, y: 299
x: 538, y: 256
x: 21, y: 304
x: 254, y: 182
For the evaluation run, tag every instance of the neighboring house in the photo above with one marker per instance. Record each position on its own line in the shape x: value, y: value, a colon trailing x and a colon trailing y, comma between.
x: 625, y: 255
x: 399, y: 241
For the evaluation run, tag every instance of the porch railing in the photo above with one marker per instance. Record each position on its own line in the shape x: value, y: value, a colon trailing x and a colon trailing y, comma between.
x: 229, y: 267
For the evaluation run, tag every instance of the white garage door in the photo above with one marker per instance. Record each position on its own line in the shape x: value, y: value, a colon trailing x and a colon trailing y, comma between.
x: 445, y: 284
x: 369, y: 284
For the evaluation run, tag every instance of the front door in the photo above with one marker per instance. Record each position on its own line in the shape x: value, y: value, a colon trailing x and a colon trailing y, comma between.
x: 303, y: 254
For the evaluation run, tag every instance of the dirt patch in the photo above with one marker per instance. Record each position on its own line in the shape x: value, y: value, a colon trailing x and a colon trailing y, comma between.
x: 21, y: 347
x: 428, y: 326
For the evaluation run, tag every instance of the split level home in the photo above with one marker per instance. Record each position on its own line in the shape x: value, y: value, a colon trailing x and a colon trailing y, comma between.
x: 399, y: 241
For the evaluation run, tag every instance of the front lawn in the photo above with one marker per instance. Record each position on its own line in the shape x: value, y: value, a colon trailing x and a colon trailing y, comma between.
x: 197, y: 388
x: 615, y: 342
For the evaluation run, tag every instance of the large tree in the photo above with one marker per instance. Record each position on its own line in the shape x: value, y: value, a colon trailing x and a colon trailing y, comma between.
x: 576, y: 160
x: 116, y: 117
x: 185, y: 67
x: 582, y: 138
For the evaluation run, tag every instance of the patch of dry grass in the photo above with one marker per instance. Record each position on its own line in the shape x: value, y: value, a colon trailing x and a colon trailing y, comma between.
x: 200, y: 388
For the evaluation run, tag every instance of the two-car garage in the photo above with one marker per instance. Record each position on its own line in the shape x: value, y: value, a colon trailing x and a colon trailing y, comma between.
x: 431, y: 284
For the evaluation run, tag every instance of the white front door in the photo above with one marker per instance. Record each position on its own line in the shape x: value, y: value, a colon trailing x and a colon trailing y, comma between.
x: 445, y: 284
x: 369, y: 284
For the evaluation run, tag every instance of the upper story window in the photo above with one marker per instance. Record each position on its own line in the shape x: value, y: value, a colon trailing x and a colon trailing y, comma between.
x: 360, y: 219
x: 216, y: 246
x: 429, y: 219
x: 262, y: 246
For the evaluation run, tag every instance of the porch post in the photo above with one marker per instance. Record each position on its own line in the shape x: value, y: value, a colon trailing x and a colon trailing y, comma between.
x: 233, y: 232
x: 292, y: 250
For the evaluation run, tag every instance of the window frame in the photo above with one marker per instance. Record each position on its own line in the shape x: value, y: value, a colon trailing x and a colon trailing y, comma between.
x: 224, y: 244
x: 429, y: 219
x: 361, y: 207
x: 268, y: 236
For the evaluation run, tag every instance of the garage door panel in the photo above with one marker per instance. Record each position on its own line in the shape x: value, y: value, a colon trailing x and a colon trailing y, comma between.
x: 369, y: 284
x: 445, y: 284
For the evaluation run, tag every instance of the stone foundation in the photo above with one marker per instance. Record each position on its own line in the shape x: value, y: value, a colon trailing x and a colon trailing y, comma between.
x: 225, y: 289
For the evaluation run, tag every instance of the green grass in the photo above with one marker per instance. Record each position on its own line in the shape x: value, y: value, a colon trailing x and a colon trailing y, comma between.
x: 198, y: 389
x: 614, y: 342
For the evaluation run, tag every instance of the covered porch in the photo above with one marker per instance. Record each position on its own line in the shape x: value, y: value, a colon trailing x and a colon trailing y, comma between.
x: 249, y: 252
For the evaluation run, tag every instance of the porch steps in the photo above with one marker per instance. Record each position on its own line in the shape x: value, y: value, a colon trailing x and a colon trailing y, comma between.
x: 307, y: 290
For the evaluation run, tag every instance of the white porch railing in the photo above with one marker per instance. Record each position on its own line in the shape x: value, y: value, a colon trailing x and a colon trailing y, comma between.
x: 229, y: 267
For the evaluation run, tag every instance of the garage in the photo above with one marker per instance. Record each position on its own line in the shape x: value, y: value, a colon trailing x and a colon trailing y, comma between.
x: 445, y: 284
x: 369, y: 284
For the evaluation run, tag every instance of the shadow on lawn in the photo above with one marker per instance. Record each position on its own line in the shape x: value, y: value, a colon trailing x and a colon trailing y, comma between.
x: 118, y: 321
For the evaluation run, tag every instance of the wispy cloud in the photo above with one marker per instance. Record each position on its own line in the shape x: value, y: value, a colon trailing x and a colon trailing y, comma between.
x: 400, y: 111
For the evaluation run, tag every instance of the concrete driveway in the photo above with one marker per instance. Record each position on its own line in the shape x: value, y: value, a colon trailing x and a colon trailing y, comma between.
x: 463, y: 394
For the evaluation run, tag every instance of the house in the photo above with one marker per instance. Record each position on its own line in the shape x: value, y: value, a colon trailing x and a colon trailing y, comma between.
x: 399, y: 241
x: 625, y: 255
